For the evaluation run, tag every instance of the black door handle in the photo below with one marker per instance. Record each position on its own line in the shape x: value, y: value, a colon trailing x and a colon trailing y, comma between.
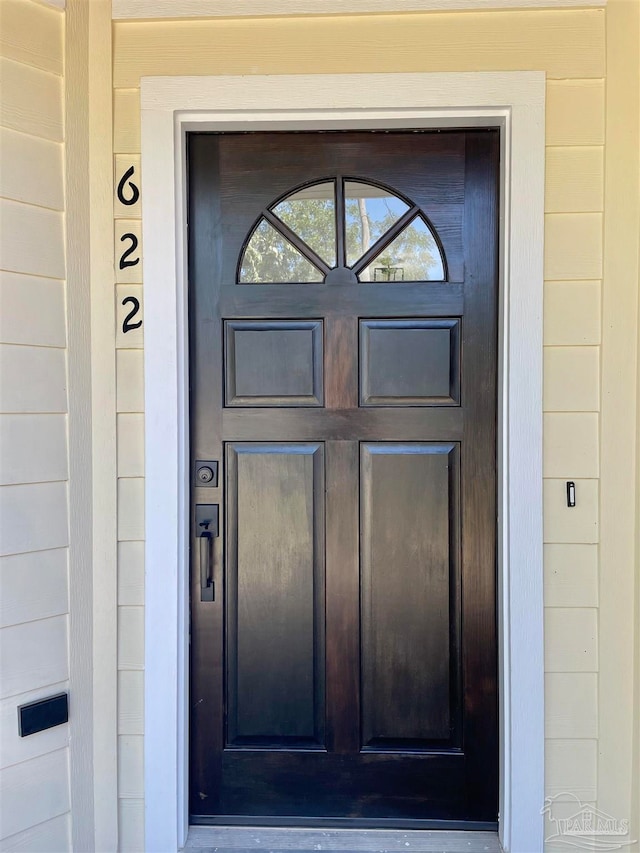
x: 206, y: 529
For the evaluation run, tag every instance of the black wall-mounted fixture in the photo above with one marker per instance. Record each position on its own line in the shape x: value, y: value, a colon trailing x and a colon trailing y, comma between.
x: 571, y: 493
x: 43, y: 714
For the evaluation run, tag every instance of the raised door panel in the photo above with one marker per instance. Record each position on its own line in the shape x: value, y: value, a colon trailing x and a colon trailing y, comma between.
x: 409, y: 542
x: 275, y: 583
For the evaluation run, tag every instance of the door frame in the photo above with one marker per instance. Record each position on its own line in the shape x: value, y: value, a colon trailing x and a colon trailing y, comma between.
x: 172, y: 106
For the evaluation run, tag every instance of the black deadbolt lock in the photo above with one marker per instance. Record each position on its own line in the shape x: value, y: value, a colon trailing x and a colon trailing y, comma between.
x: 207, y: 473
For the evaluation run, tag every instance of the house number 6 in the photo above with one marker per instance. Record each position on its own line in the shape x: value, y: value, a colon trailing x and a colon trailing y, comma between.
x: 126, y: 183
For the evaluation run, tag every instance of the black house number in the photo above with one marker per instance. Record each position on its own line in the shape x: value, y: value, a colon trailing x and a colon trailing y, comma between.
x: 127, y: 325
x: 123, y: 262
x: 127, y: 184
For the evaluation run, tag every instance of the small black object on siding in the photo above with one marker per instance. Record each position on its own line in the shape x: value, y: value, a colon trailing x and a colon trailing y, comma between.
x: 43, y: 714
x: 571, y: 493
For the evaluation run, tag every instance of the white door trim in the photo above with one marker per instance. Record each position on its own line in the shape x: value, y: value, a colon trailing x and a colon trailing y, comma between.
x: 140, y: 10
x: 514, y: 101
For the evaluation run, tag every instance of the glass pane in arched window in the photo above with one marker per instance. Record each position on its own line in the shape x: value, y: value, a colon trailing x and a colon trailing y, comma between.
x: 369, y: 212
x: 311, y: 214
x: 413, y: 255
x: 269, y: 258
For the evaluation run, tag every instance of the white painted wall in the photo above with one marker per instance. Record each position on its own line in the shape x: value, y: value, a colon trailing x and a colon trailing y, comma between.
x: 34, y: 538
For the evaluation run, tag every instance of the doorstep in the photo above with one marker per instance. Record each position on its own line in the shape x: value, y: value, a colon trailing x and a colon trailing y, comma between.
x: 233, y: 839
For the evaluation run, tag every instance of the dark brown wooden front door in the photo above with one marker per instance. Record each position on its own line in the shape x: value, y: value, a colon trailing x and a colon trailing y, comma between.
x: 343, y: 327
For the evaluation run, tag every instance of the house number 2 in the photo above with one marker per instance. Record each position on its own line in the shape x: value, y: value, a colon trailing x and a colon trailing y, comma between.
x: 127, y: 325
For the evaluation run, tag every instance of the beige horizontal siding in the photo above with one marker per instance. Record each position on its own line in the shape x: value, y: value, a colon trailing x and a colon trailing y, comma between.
x: 131, y: 573
x: 130, y: 445
x: 31, y: 100
x: 33, y: 448
x: 32, y: 239
x: 31, y: 169
x: 34, y: 791
x: 572, y: 246
x: 32, y: 310
x: 130, y: 381
x: 570, y: 575
x: 572, y: 313
x: 131, y: 825
x: 130, y: 702
x: 46, y: 389
x: 131, y: 766
x: 571, y: 445
x: 565, y: 43
x: 575, y: 112
x: 571, y: 379
x: 131, y: 638
x: 52, y: 836
x: 32, y: 34
x: 34, y: 517
x: 571, y: 639
x: 571, y: 700
x: 571, y: 769
x: 574, y: 179
x: 33, y: 655
x: 33, y: 586
x: 130, y: 508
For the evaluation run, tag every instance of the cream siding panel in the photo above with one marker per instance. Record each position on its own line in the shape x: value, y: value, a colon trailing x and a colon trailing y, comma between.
x: 34, y: 791
x: 130, y: 508
x: 578, y: 524
x: 574, y: 180
x: 31, y: 169
x: 565, y: 43
x: 31, y: 100
x: 126, y: 121
x: 130, y: 445
x: 131, y: 826
x: 131, y: 573
x: 572, y: 313
x: 13, y: 748
x: 32, y: 239
x: 130, y: 702
x: 571, y: 705
x: 571, y: 768
x: 571, y: 445
x: 573, y: 246
x: 571, y: 379
x: 132, y: 338
x: 571, y: 641
x: 130, y: 766
x: 34, y: 517
x: 131, y: 638
x: 32, y: 34
x: 46, y: 388
x: 33, y: 448
x: 130, y: 381
x: 575, y: 112
x: 571, y: 575
x: 33, y: 655
x: 33, y: 586
x: 32, y: 310
x: 52, y: 836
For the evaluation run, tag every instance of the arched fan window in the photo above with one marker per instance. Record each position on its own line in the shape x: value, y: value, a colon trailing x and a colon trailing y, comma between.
x: 341, y: 231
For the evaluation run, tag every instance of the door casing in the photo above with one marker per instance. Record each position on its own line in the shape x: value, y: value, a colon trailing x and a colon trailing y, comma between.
x: 514, y: 101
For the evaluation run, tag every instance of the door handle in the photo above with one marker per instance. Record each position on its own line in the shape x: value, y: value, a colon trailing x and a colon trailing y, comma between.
x: 206, y: 523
